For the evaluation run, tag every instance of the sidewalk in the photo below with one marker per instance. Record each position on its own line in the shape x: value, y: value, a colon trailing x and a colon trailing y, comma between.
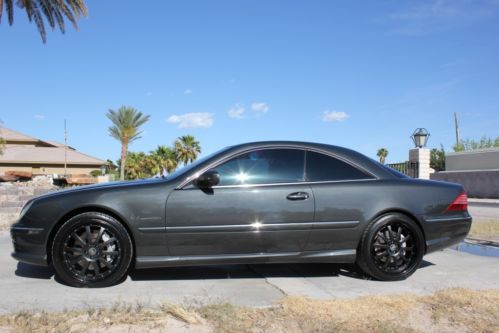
x: 492, y: 202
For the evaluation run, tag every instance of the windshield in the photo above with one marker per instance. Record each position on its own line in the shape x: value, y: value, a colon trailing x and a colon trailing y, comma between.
x: 187, y: 168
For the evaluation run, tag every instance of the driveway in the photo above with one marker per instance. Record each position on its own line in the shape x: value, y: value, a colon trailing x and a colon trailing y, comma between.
x: 30, y: 287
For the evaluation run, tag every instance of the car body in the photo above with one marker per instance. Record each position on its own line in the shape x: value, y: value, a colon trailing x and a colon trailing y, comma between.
x: 263, y: 202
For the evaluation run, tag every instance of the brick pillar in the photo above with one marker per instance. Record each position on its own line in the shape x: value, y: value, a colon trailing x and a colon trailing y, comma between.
x: 422, y: 156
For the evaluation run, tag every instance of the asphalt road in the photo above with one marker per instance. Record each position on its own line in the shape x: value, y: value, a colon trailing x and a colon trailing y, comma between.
x: 24, y: 287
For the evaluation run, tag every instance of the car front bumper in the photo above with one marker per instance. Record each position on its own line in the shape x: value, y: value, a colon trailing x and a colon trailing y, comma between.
x: 29, y: 245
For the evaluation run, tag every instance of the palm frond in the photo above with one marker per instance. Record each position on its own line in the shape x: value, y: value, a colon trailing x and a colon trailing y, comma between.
x: 9, y: 7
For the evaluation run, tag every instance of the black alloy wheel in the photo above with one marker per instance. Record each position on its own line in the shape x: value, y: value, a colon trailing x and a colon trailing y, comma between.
x: 391, y: 248
x: 91, y: 250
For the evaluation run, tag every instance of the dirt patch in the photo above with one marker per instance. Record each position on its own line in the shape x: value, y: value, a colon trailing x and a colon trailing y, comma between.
x: 452, y: 310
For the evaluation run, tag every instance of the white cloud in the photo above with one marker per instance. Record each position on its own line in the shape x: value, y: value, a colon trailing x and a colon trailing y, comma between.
x: 39, y: 116
x: 149, y: 93
x: 237, y: 112
x: 187, y: 91
x: 192, y: 120
x: 259, y: 108
x: 426, y: 17
x: 334, y: 115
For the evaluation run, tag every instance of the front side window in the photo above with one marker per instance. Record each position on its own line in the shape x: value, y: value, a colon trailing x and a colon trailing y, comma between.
x: 321, y: 167
x: 263, y: 166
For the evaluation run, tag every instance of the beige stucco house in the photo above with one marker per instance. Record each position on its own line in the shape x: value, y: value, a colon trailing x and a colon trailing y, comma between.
x: 25, y: 153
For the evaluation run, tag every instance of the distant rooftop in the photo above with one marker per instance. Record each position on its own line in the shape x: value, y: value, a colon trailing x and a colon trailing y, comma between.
x: 50, y: 152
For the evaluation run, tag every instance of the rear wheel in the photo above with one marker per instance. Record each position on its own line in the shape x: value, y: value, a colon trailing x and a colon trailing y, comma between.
x: 391, y: 248
x: 91, y: 250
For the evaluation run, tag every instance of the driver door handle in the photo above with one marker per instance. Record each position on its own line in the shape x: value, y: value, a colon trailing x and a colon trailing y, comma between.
x: 298, y: 196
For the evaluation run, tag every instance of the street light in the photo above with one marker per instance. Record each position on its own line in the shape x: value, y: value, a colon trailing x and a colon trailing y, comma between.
x: 420, y: 137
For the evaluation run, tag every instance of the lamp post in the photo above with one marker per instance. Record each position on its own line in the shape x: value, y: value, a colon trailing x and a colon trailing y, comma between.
x: 420, y: 137
x: 420, y: 155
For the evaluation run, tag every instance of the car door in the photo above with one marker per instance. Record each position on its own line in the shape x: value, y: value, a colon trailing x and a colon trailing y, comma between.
x: 339, y: 189
x: 261, y: 205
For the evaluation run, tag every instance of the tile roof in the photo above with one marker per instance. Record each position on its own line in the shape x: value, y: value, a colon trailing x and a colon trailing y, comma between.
x: 46, y: 155
x: 11, y: 135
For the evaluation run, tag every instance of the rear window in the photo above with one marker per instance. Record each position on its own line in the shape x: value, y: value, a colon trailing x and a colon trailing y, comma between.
x: 321, y: 167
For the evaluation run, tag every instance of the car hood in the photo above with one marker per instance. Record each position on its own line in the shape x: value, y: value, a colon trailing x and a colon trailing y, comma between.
x: 102, y: 186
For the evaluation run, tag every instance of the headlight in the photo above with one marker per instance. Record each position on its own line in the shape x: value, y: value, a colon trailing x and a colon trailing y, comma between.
x: 26, y: 207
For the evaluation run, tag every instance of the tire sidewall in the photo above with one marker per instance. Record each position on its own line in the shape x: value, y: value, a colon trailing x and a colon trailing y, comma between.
x: 368, y: 239
x: 83, y: 219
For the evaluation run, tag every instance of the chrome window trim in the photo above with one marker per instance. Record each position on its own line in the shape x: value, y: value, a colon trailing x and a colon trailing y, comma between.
x: 287, y: 184
x: 191, y: 178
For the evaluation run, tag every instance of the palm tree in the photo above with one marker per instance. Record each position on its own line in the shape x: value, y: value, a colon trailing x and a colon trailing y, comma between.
x: 54, y: 12
x: 187, y: 148
x: 382, y: 154
x: 165, y: 158
x: 2, y: 140
x: 126, y: 123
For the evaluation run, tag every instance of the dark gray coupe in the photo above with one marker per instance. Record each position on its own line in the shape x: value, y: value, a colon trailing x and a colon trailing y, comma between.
x: 265, y: 202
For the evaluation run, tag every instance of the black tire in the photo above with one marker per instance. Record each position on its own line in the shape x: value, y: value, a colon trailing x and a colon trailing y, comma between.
x: 391, y: 248
x: 91, y: 250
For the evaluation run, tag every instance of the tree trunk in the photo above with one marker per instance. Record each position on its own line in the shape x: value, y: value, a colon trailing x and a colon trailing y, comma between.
x: 124, y: 151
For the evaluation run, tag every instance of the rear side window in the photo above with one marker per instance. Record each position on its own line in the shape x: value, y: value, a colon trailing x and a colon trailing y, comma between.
x: 321, y: 167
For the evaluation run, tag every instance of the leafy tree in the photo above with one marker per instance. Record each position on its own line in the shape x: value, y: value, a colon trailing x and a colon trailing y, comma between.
x: 382, y: 154
x: 471, y: 144
x: 111, y: 167
x: 187, y: 149
x: 54, y: 12
x: 437, y: 159
x: 126, y: 124
x: 136, y: 166
x: 165, y: 158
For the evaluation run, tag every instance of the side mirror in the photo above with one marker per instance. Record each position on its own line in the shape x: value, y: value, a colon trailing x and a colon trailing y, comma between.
x: 208, y: 179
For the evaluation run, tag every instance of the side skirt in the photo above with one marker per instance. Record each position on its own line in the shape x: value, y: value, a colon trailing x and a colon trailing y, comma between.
x: 336, y: 256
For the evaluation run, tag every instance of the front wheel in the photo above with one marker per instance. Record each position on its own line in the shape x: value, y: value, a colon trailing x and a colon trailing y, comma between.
x: 91, y: 250
x: 391, y: 248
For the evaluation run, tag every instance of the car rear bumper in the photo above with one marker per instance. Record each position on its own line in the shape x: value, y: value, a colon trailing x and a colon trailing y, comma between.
x: 29, y: 245
x: 444, y: 232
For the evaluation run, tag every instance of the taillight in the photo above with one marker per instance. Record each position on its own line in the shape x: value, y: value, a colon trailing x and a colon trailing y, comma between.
x: 460, y: 203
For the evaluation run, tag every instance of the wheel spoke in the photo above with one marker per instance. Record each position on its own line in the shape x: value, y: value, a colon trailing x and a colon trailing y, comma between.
x: 105, y: 262
x: 399, y: 233
x: 106, y: 243
x: 380, y: 235
x: 96, y: 267
x: 88, y: 234
x: 84, y: 267
x: 110, y: 253
x: 75, y: 259
x: 78, y: 239
x: 74, y: 249
x: 99, y: 236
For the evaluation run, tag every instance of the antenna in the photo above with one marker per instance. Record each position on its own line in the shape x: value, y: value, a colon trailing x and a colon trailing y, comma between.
x: 65, y: 149
x: 456, y: 125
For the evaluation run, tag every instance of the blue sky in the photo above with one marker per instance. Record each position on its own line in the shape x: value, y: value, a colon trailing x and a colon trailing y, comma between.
x: 360, y: 74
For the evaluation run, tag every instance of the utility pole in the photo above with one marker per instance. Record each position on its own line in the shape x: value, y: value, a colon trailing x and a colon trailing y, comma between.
x: 65, y: 149
x: 456, y: 125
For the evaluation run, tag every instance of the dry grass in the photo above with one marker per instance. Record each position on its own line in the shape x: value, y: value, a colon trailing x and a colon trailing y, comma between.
x: 487, y: 228
x: 452, y: 310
